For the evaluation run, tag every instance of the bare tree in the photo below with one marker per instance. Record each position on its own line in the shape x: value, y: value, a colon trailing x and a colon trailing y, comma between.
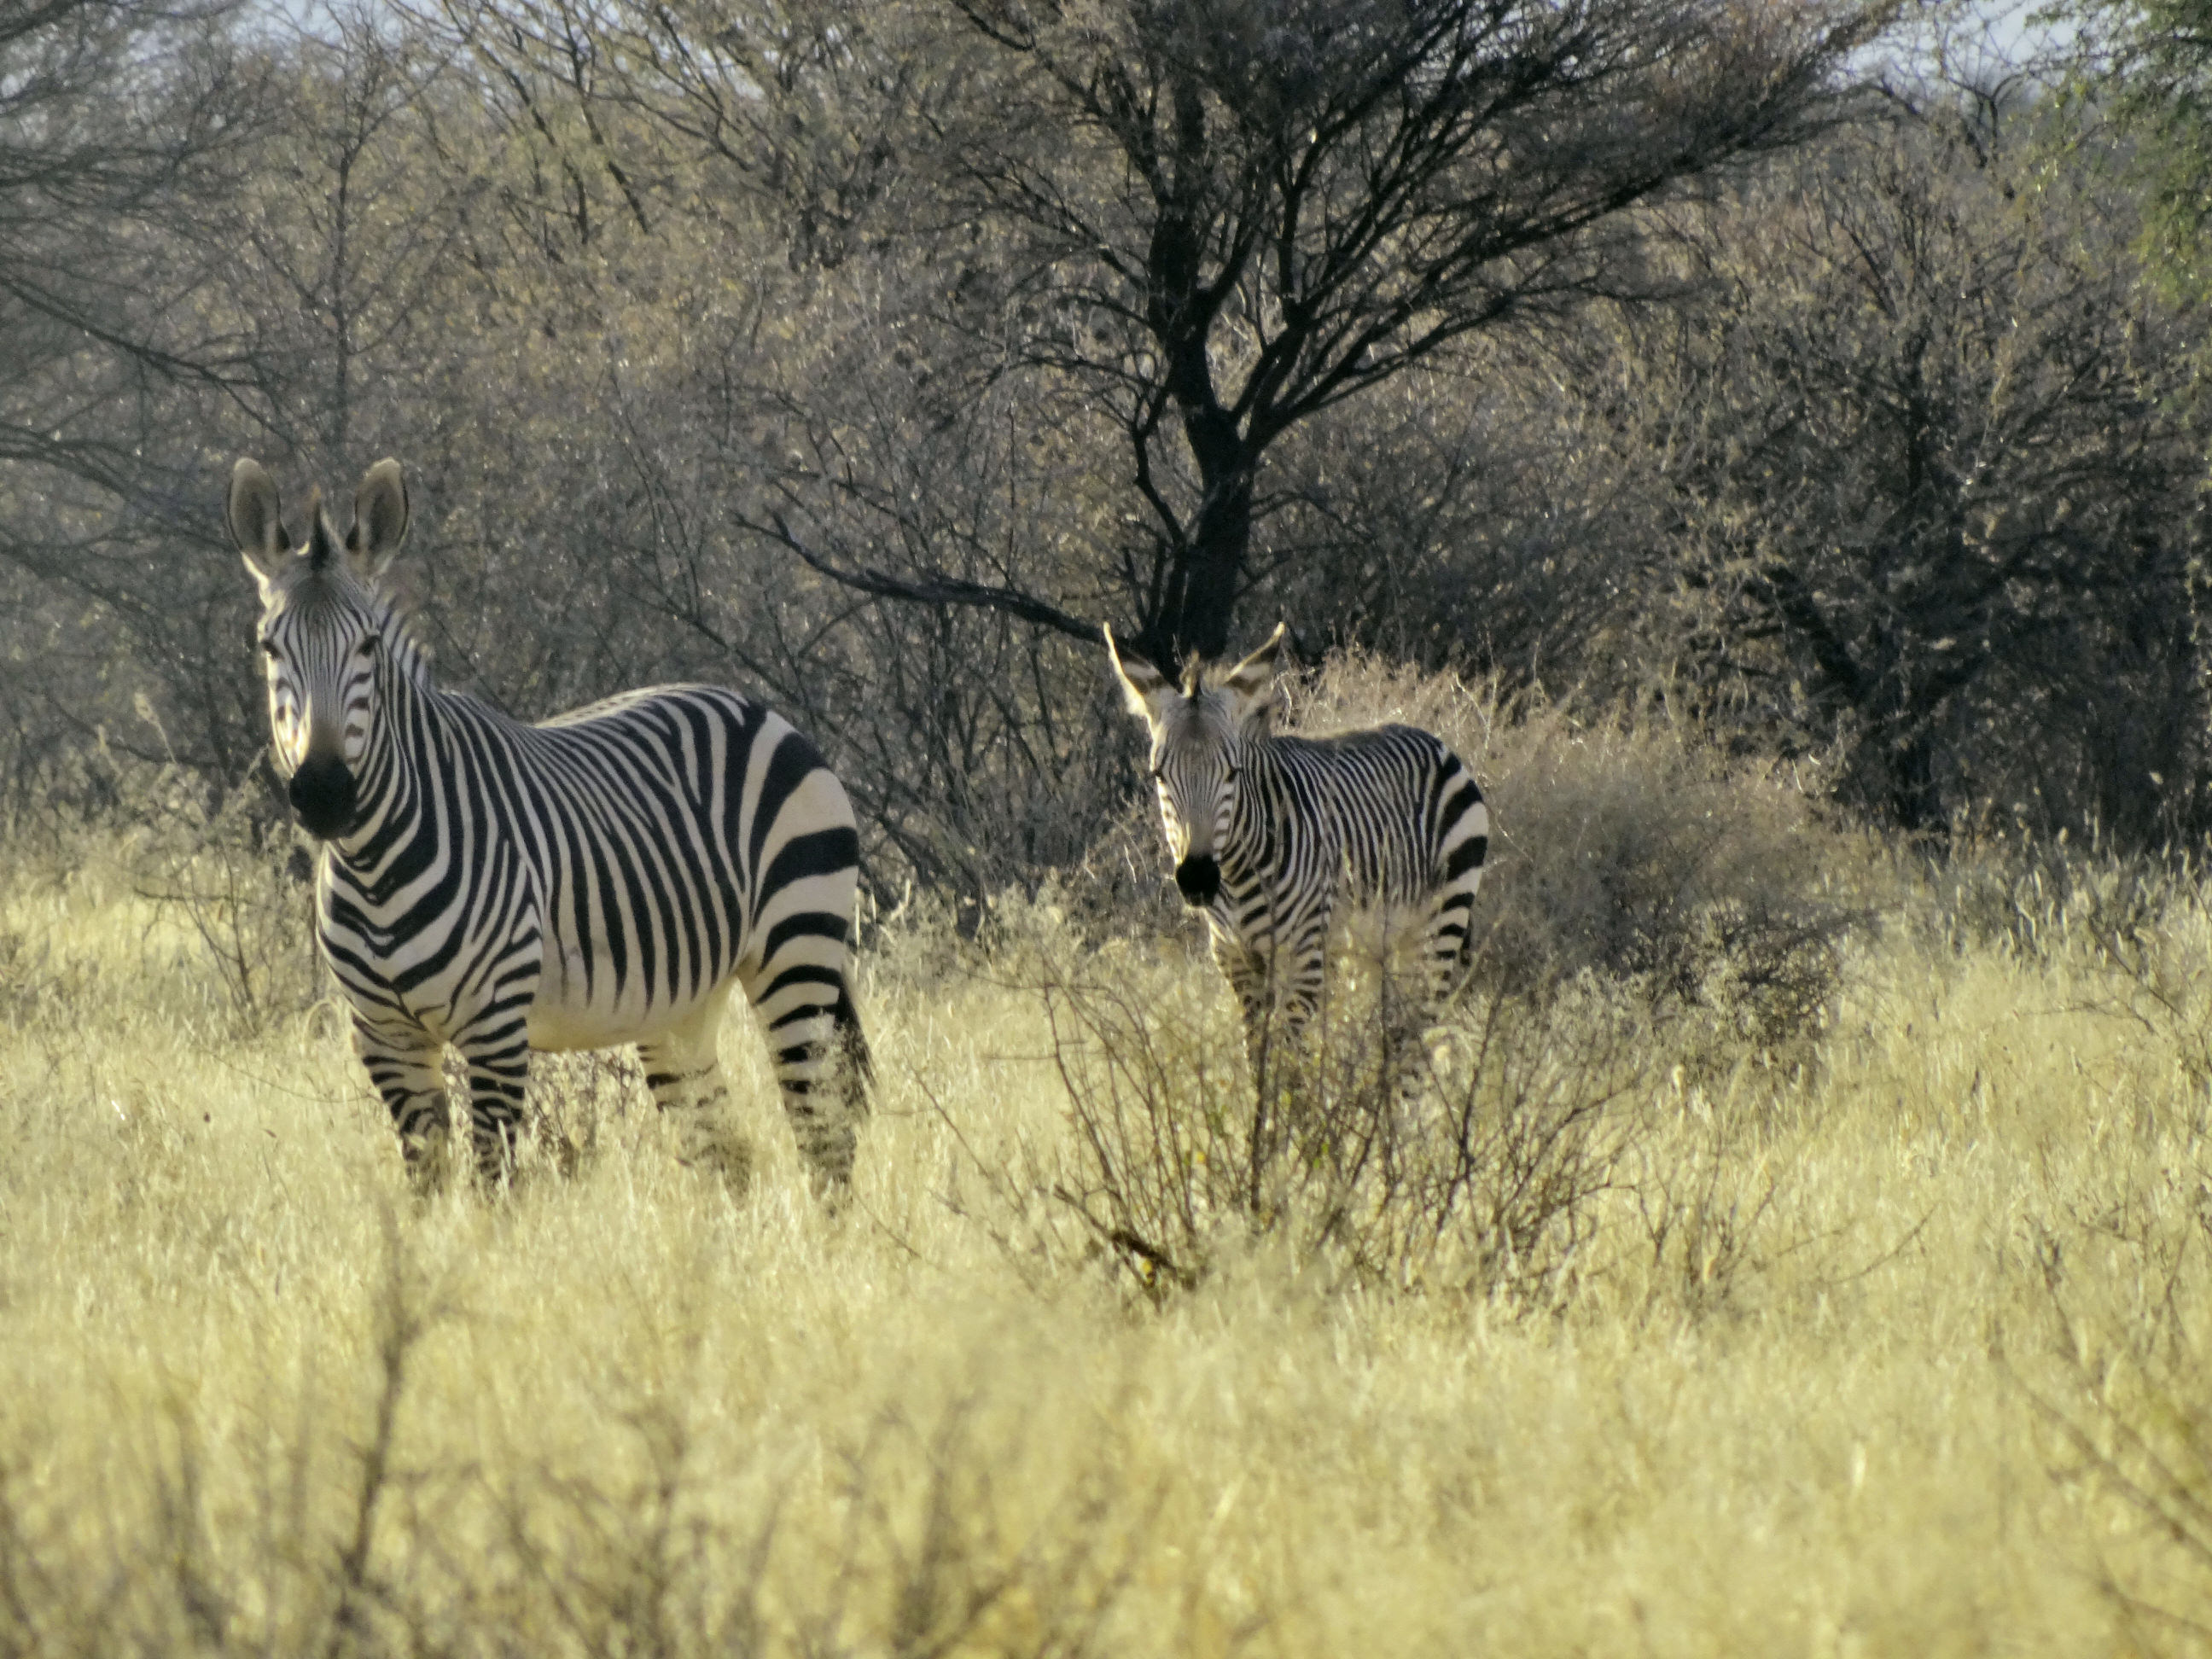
x: 340, y: 240
x: 120, y: 121
x: 1208, y: 221
x: 1938, y: 482
x: 117, y: 118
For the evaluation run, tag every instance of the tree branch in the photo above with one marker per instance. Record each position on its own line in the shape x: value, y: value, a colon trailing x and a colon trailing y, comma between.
x: 930, y: 589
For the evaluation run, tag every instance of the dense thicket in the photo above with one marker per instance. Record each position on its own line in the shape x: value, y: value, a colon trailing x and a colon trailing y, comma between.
x: 867, y: 357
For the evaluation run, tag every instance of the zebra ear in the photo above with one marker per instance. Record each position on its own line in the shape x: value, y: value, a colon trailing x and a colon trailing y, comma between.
x: 379, y: 519
x: 1251, y: 683
x: 256, y: 524
x: 1144, y: 688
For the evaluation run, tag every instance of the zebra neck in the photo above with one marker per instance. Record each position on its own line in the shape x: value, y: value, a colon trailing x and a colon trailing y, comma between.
x: 1255, y: 822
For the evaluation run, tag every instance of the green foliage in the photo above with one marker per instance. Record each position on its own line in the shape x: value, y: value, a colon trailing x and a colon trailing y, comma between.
x: 2152, y: 70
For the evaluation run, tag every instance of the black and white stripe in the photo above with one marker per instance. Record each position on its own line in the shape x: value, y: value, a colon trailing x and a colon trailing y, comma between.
x: 606, y: 877
x: 1270, y: 833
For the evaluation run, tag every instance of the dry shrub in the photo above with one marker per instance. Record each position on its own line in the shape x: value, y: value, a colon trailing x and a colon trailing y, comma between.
x: 1469, y: 1157
x: 31, y: 984
x: 235, y: 880
x: 1704, y: 1202
x: 575, y: 1100
x: 1622, y: 846
x: 2133, y: 936
x: 1124, y: 887
x: 2036, y: 898
x: 326, y: 1530
x: 231, y: 918
x: 2115, y: 1370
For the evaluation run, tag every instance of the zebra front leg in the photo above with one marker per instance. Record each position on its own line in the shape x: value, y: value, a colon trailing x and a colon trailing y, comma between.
x: 497, y: 1056
x: 683, y: 1069
x: 1273, y: 963
x: 404, y: 1063
x: 1246, y: 970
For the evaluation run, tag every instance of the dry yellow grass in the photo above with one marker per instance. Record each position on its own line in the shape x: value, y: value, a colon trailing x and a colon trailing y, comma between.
x: 1901, y: 1355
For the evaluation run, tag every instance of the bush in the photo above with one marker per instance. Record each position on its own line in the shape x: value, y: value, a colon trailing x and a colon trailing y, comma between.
x: 238, y: 883
x: 1469, y: 1159
x: 1622, y: 847
x: 2036, y: 897
x: 2132, y: 937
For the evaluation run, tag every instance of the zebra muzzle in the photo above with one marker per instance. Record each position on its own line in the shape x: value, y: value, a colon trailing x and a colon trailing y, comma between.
x: 1198, y: 878
x: 323, y: 793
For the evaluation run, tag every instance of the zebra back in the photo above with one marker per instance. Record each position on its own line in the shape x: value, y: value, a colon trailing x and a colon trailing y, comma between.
x: 1389, y: 812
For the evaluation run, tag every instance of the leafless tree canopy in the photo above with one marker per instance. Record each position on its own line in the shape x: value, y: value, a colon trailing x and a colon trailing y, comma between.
x: 1203, y: 224
x: 870, y: 357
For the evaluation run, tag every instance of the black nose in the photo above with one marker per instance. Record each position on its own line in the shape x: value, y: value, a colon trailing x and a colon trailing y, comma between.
x: 1198, y: 879
x: 324, y: 794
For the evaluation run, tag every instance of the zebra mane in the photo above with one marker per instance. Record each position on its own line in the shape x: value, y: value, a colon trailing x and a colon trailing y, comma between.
x: 332, y: 584
x: 324, y: 545
x: 1249, y: 686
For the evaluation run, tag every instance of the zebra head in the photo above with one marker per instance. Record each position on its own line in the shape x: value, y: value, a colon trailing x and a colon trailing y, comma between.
x: 324, y: 626
x: 1202, y: 731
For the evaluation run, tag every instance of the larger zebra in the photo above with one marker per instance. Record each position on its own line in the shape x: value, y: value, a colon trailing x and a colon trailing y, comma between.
x: 605, y: 876
x: 1271, y: 834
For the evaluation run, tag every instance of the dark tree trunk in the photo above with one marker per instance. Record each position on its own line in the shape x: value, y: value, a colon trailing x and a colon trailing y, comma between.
x: 1208, y: 569
x: 1207, y: 550
x: 1916, y: 799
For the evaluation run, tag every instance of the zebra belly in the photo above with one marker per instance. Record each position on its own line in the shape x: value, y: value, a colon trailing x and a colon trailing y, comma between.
x: 566, y: 1017
x: 559, y: 1030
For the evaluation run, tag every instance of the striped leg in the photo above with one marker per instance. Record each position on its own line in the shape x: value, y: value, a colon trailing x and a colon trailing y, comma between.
x: 1274, y: 963
x: 404, y: 1063
x: 1299, y: 959
x: 498, y: 1061
x: 1445, y: 950
x: 1449, y: 946
x: 1299, y: 970
x: 1246, y: 970
x: 683, y: 1069
x: 796, y: 1016
x: 799, y: 993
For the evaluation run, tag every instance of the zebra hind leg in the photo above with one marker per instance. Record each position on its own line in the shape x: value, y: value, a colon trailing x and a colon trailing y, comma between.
x: 405, y: 1064
x: 821, y: 1065
x: 1448, y: 948
x: 1451, y: 945
x: 683, y: 1069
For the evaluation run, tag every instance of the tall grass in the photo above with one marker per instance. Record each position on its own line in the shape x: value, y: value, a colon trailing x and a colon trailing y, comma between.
x: 1869, y: 1318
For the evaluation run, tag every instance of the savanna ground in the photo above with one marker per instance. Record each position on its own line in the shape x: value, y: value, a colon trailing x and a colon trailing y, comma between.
x: 1790, y: 1246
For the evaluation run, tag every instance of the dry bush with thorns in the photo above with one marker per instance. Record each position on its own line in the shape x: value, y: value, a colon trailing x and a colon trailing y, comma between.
x: 1468, y: 1155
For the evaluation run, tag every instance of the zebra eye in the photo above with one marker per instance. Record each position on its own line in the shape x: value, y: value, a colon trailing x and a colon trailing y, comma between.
x: 368, y: 644
x: 268, y: 650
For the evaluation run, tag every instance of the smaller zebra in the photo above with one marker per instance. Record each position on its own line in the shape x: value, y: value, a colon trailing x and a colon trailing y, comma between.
x: 1270, y: 833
